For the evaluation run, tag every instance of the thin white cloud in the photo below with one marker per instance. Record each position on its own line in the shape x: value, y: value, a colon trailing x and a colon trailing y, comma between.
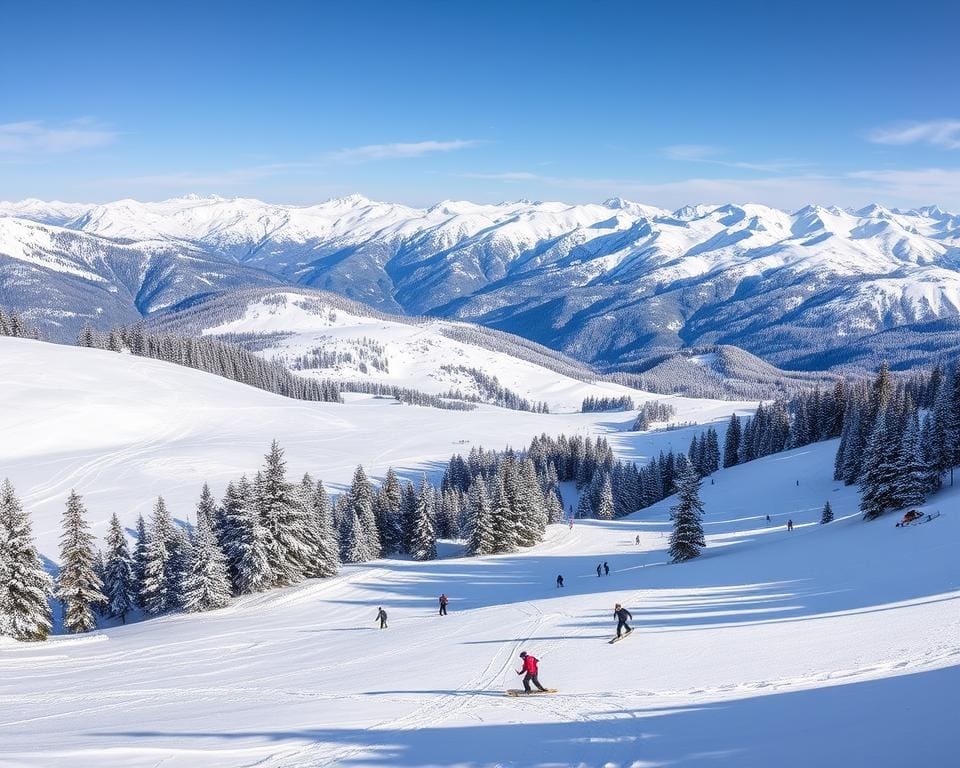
x: 690, y: 151
x: 34, y: 137
x: 939, y: 133
x: 707, y: 153
x: 400, y: 150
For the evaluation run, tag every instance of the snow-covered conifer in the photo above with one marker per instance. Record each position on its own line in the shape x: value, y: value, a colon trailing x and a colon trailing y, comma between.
x: 687, y: 538
x: 25, y: 587
x: 79, y: 588
x: 827, y: 515
x: 206, y: 583
x: 119, y: 585
x: 157, y: 593
x: 423, y: 542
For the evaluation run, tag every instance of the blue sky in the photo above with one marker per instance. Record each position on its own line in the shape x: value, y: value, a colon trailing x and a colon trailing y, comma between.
x: 665, y: 103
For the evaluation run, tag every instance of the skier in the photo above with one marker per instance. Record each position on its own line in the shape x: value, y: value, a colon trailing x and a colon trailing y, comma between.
x: 606, y: 569
x: 789, y: 525
x: 559, y: 581
x: 599, y: 568
x: 530, y: 671
x: 768, y: 518
x: 443, y: 605
x: 621, y: 614
x: 382, y: 618
x: 638, y: 538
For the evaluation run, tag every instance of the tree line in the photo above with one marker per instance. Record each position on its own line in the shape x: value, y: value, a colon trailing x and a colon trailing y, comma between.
x: 12, y: 324
x: 650, y: 412
x: 594, y: 404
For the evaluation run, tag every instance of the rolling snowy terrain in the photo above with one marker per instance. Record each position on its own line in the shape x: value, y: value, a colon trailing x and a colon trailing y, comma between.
x: 609, y: 284
x: 828, y: 645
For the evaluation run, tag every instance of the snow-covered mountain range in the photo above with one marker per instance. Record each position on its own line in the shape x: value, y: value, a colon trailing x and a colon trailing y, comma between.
x: 609, y: 283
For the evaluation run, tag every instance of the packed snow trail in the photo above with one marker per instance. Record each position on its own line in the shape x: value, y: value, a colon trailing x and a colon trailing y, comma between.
x: 835, y: 644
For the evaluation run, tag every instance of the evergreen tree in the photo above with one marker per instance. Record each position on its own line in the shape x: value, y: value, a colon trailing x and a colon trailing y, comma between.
x: 879, y: 475
x: 120, y: 585
x: 206, y: 584
x: 827, y: 515
x: 584, y: 507
x: 178, y: 565
x: 390, y: 514
x: 423, y: 543
x: 913, y: 474
x: 481, y: 530
x: 25, y: 586
x: 604, y: 509
x: 157, y: 594
x: 78, y: 586
x: 354, y: 543
x: 529, y: 508
x: 140, y: 561
x: 285, y: 516
x: 687, y: 538
x: 361, y: 497
x: 731, y: 442
x: 248, y: 540
x: 326, y: 555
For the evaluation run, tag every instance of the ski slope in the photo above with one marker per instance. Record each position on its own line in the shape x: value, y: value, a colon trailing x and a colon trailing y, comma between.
x: 829, y: 645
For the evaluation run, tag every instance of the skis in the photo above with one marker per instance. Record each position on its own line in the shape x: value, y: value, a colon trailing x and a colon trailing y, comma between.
x: 521, y: 692
x: 618, y: 639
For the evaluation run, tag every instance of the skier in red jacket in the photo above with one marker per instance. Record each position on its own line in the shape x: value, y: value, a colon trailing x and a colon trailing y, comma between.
x: 530, y: 671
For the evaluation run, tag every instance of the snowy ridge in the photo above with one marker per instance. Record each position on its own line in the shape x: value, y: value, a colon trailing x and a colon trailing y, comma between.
x: 608, y: 283
x: 755, y: 654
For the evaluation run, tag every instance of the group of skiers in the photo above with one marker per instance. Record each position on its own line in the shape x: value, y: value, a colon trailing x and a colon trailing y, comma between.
x: 530, y: 669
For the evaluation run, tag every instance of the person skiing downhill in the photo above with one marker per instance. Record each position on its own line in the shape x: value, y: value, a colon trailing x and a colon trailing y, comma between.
x: 599, y: 569
x: 638, y: 538
x: 559, y: 581
x: 443, y: 604
x: 790, y: 525
x: 530, y: 671
x: 621, y: 614
x: 382, y: 618
x: 606, y: 569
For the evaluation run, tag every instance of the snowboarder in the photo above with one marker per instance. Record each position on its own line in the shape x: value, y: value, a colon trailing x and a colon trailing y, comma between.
x: 606, y: 569
x: 621, y: 614
x: 790, y: 525
x: 599, y: 569
x: 559, y: 581
x: 382, y: 618
x: 530, y: 672
x: 768, y: 518
x: 443, y: 605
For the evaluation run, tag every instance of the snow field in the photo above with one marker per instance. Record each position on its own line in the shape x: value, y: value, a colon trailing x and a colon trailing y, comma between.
x: 830, y: 645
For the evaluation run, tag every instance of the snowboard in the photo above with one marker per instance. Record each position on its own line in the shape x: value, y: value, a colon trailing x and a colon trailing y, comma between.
x: 618, y: 639
x: 521, y: 692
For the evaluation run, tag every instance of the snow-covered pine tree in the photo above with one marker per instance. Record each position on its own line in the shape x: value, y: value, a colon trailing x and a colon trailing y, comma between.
x: 361, y: 498
x: 178, y: 565
x: 604, y: 510
x: 731, y: 442
x: 156, y: 593
x: 284, y: 515
x: 423, y: 542
x: 878, y: 480
x: 25, y: 587
x: 326, y: 556
x: 207, y: 507
x: 506, y: 535
x: 481, y: 539
x: 827, y: 515
x: 206, y: 583
x: 249, y: 542
x: 687, y: 538
x: 584, y: 507
x: 554, y: 505
x: 79, y: 589
x: 354, y: 543
x: 140, y: 560
x: 120, y: 586
x: 390, y: 517
x: 529, y: 506
x: 914, y: 475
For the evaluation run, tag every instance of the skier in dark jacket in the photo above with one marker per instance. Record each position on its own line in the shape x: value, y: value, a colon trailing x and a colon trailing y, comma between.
x: 606, y: 569
x: 559, y: 581
x: 789, y: 525
x: 621, y: 614
x: 530, y: 672
x: 382, y: 618
x: 599, y: 569
x: 443, y: 605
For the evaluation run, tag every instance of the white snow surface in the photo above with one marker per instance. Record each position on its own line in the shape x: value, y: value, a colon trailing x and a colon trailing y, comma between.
x: 830, y: 645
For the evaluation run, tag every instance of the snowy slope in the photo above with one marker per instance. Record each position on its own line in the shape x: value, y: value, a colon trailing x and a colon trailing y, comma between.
x: 830, y: 645
x: 123, y: 429
x: 608, y: 283
x: 423, y: 354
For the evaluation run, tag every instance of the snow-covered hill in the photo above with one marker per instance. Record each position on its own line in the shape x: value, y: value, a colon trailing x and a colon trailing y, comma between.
x: 318, y: 333
x: 829, y: 645
x: 608, y: 283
